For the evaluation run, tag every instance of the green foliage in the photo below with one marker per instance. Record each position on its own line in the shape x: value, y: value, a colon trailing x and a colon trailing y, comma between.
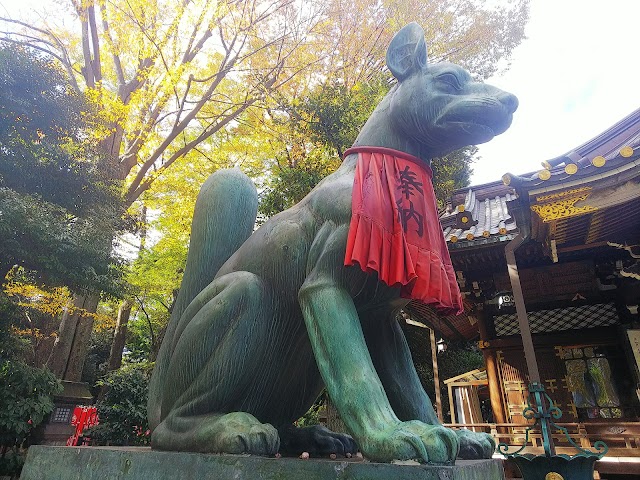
x: 312, y: 417
x: 122, y: 411
x: 451, y: 172
x: 290, y: 183
x: 55, y: 204
x: 25, y: 401
x: 11, y: 346
x: 145, y: 331
x: 43, y: 134
x: 458, y: 358
x: 335, y: 113
x: 319, y: 127
x: 64, y: 249
x: 155, y: 276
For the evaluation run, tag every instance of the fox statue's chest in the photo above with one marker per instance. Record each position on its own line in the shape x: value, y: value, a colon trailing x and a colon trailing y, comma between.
x: 331, y: 200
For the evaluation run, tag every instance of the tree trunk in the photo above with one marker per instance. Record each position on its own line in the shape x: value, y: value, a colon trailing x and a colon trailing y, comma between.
x: 119, y: 336
x: 70, y: 348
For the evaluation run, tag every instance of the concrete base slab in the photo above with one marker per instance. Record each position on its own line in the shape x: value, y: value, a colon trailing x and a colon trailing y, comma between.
x: 121, y: 463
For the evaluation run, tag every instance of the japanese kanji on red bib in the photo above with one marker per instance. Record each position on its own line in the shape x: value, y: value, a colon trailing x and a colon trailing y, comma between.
x: 395, y: 230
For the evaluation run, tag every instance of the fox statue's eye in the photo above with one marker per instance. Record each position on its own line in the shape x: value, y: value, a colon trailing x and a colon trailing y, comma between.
x: 450, y: 80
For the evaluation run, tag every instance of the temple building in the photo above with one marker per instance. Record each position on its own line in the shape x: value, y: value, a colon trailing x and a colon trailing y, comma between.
x: 570, y: 236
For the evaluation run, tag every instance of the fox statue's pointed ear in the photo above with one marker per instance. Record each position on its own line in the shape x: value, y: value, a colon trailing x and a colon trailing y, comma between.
x: 407, y: 52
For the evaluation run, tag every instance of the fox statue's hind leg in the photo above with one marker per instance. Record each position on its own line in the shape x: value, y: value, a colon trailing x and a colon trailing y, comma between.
x: 223, y: 219
x: 234, y: 352
x: 198, y: 334
x: 220, y: 344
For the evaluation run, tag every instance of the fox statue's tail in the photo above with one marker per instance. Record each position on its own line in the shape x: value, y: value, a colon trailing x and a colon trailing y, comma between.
x: 224, y: 217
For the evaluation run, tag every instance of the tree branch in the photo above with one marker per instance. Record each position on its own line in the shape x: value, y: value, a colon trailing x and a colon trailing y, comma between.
x: 143, y: 182
x: 95, y: 43
x: 32, y: 42
x: 116, y: 58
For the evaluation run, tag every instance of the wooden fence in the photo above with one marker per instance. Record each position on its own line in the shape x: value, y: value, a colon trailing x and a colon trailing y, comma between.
x: 622, y: 438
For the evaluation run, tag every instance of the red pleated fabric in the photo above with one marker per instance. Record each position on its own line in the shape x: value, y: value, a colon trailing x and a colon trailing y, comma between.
x: 395, y: 230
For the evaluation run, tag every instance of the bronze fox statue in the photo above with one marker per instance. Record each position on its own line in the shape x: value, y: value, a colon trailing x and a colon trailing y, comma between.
x: 266, y: 319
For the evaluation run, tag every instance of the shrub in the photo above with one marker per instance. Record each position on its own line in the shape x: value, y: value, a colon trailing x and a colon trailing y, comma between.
x: 26, y: 399
x: 122, y: 412
x: 312, y: 417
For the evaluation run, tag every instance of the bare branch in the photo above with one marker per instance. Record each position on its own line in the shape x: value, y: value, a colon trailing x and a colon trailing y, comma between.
x: 95, y: 43
x: 152, y: 335
x: 32, y: 41
x: 145, y: 182
x: 107, y: 32
x: 191, y: 51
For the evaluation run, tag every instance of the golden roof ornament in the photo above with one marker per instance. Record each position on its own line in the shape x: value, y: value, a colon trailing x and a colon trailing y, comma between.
x: 544, y: 175
x: 626, y: 151
x: 570, y: 168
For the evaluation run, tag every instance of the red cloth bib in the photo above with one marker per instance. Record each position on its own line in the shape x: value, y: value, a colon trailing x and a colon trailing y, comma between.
x: 395, y: 230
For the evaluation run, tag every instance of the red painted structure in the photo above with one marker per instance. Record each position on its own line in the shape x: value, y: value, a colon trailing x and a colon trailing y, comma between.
x: 83, y: 418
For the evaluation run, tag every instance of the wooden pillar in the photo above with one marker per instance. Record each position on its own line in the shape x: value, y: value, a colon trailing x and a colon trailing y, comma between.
x: 436, y: 376
x: 491, y: 365
x: 495, y: 389
x: 452, y: 405
x: 527, y: 338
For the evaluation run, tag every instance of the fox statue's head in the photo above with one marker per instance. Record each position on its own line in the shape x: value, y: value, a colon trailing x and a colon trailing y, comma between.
x: 437, y: 108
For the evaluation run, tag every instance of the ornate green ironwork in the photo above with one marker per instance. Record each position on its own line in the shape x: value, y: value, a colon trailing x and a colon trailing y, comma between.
x: 578, y: 466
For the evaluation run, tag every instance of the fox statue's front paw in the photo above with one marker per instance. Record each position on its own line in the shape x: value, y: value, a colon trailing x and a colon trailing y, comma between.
x: 414, y: 440
x: 316, y: 440
x: 475, y: 445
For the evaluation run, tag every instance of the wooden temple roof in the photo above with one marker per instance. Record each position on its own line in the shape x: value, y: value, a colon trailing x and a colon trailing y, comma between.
x: 614, y: 150
x: 451, y: 327
x: 588, y: 196
x: 480, y: 217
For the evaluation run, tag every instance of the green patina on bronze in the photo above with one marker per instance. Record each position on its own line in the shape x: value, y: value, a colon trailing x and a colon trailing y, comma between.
x: 265, y: 320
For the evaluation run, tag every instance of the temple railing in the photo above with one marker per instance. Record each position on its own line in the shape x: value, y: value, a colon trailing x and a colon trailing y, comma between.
x: 623, y: 438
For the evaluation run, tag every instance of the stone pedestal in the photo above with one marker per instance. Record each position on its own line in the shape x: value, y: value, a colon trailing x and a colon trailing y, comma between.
x: 124, y: 463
